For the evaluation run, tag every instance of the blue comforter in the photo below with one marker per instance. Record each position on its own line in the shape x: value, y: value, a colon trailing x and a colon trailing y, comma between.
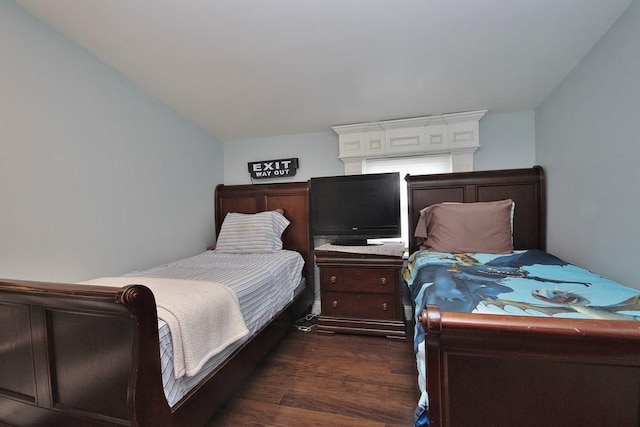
x: 527, y: 283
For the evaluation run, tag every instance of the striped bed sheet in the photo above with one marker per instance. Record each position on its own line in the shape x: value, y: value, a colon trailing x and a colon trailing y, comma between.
x: 264, y: 284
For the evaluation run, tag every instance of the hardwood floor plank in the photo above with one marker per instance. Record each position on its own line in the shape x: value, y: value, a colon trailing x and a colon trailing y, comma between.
x: 250, y: 413
x: 360, y: 405
x: 324, y: 380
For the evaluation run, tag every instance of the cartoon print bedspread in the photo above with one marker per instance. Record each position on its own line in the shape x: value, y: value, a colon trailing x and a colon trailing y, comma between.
x: 527, y: 283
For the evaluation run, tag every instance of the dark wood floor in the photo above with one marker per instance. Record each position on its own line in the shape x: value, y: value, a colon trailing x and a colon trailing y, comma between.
x: 328, y: 380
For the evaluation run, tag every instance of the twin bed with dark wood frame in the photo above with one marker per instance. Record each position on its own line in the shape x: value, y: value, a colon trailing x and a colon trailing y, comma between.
x: 493, y: 370
x: 87, y: 355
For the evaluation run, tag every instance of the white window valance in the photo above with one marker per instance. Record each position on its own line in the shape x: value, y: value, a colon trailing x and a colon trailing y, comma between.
x: 455, y: 134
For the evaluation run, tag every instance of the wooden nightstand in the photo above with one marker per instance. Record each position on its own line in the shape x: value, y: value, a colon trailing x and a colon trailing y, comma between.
x: 360, y: 294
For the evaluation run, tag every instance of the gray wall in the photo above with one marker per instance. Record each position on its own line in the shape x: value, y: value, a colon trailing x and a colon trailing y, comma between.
x: 96, y: 177
x: 507, y: 141
x: 587, y: 137
x: 317, y: 154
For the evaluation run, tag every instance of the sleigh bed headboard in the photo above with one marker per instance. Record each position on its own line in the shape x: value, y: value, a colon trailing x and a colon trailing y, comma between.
x: 292, y: 198
x: 526, y: 187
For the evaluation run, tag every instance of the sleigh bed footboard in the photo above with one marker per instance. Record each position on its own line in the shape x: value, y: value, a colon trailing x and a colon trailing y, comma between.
x: 72, y: 355
x: 531, y: 371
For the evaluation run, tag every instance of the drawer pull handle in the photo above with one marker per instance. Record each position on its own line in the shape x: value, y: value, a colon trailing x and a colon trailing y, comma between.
x: 383, y: 280
x: 385, y: 307
x: 334, y: 304
x: 333, y: 279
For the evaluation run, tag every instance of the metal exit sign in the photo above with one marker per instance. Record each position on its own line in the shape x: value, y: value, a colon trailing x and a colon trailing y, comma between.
x: 273, y: 168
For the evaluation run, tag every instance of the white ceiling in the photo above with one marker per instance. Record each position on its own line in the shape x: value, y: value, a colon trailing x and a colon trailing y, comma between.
x: 257, y: 68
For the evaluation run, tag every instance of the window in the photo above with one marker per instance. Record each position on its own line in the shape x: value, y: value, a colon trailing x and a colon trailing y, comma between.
x: 422, y: 165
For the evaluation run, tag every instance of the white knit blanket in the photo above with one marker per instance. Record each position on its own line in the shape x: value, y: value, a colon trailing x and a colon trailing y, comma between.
x: 203, y: 317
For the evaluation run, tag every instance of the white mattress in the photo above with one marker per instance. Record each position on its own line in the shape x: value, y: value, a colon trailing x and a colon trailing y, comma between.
x: 264, y: 284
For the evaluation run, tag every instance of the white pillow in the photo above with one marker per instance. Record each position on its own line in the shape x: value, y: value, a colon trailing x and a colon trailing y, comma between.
x: 251, y: 233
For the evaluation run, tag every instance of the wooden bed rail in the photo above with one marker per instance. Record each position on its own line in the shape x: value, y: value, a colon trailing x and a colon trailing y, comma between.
x: 47, y: 378
x: 610, y: 331
x: 485, y: 369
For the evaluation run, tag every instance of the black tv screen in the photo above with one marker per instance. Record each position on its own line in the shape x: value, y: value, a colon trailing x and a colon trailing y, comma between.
x: 350, y: 209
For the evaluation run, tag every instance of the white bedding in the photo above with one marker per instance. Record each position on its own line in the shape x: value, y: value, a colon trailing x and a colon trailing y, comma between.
x: 203, y: 317
x: 263, y: 283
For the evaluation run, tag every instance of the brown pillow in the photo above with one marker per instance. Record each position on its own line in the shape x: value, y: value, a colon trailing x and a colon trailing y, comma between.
x: 467, y: 227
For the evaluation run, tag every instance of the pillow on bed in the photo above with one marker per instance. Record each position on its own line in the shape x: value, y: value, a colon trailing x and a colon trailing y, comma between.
x: 251, y: 233
x: 468, y: 227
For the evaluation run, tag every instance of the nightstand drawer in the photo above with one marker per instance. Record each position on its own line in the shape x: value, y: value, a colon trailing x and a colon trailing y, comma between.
x: 370, y: 280
x: 362, y: 306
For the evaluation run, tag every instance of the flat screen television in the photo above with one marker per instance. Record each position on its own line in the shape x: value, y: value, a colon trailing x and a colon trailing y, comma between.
x: 349, y: 209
